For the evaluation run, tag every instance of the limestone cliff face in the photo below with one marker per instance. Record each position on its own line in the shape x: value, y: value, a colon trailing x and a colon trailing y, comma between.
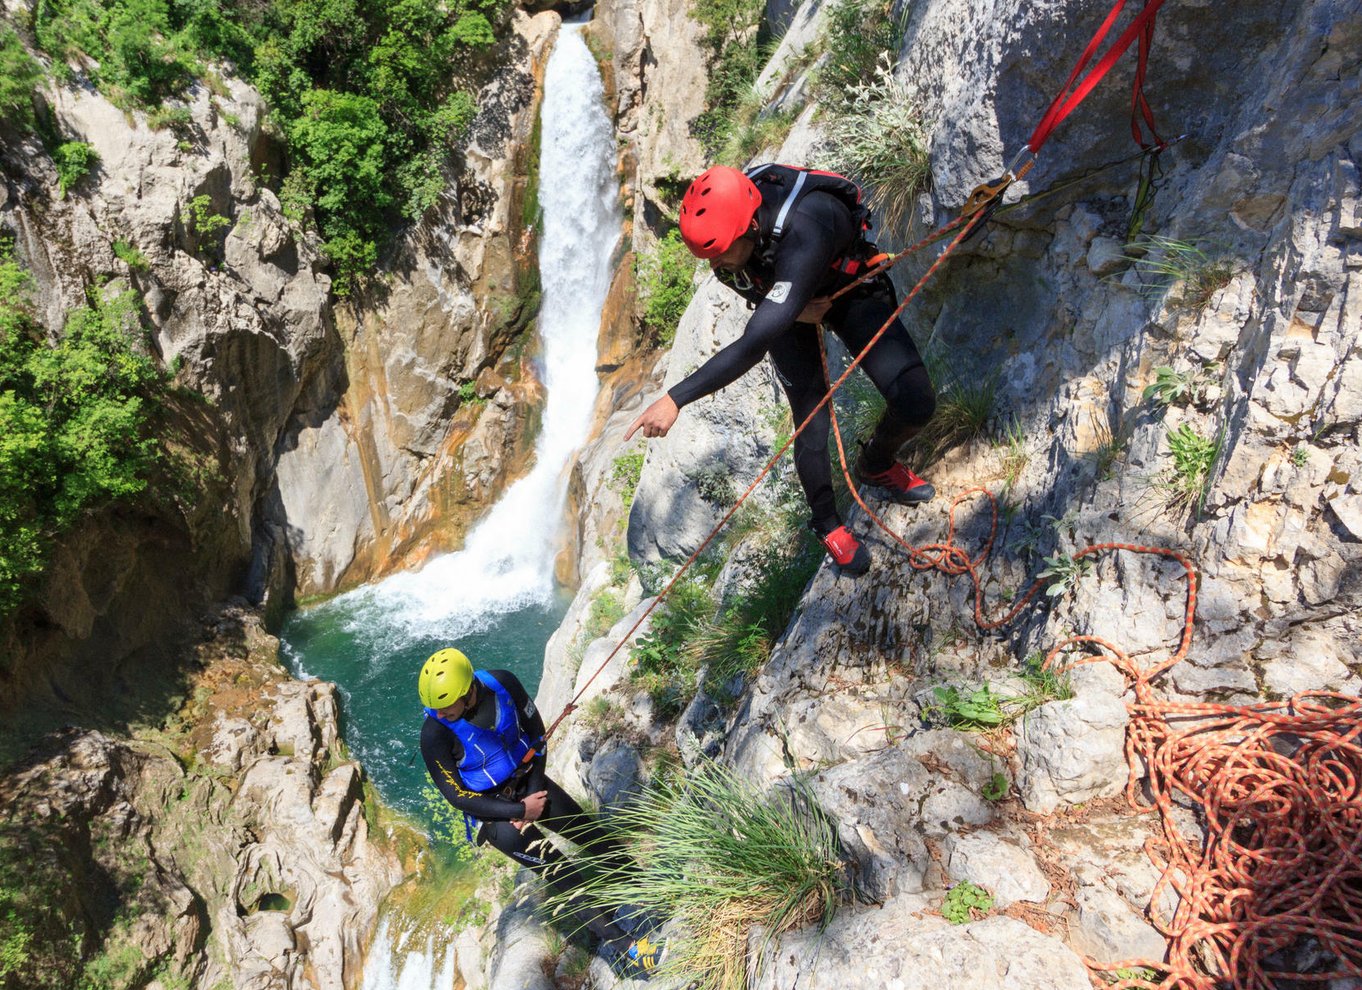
x: 427, y: 414
x: 1050, y: 307
x: 231, y: 849
x: 245, y: 318
x: 312, y: 444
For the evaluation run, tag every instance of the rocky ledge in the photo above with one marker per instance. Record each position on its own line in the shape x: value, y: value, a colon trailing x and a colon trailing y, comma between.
x: 228, y: 847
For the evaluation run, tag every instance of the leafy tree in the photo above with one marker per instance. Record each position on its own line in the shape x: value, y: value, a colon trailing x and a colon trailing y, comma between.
x: 19, y: 74
x: 370, y: 94
x: 72, y: 418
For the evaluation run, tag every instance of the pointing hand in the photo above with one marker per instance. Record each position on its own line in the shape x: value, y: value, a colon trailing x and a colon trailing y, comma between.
x: 657, y: 419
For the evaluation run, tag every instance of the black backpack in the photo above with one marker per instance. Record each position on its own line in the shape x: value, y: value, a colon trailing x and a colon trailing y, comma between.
x: 791, y: 183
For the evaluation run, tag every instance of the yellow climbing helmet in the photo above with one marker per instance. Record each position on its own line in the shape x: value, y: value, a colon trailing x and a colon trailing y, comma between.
x: 445, y: 678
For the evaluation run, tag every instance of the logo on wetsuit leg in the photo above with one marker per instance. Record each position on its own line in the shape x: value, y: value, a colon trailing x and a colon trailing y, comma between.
x: 779, y: 292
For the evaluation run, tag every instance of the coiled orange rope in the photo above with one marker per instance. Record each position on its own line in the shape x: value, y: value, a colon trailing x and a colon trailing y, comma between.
x: 1277, y: 789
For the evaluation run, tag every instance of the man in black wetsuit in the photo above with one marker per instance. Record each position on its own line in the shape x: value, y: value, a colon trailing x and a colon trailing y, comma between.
x: 786, y: 239
x: 479, y: 727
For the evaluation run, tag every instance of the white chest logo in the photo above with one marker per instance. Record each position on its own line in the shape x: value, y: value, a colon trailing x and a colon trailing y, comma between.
x: 778, y: 292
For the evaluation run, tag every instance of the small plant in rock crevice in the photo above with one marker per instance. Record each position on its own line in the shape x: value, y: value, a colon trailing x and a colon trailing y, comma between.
x: 1170, y: 387
x: 468, y: 395
x: 1184, y: 485
x: 964, y: 405
x: 1064, y: 573
x: 964, y: 902
x: 997, y: 788
x: 1166, y: 262
x: 1015, y: 455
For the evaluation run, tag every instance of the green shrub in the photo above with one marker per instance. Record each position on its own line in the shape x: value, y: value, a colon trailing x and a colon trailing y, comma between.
x: 19, y: 75
x: 141, y: 60
x: 179, y: 120
x: 74, y: 159
x: 725, y: 861
x: 625, y: 473
x: 735, y: 57
x: 859, y: 34
x: 880, y: 140
x: 72, y: 422
x: 666, y: 280
x: 130, y: 256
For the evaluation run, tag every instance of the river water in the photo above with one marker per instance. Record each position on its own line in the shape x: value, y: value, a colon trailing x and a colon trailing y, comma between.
x: 495, y: 599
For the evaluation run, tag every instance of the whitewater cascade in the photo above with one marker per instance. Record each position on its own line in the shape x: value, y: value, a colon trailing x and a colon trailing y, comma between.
x: 507, y: 561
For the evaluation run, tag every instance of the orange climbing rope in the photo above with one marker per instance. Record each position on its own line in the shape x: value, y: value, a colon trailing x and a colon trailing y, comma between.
x: 1276, y: 787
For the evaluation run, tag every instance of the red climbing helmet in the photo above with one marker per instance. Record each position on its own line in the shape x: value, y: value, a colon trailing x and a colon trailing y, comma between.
x: 717, y: 209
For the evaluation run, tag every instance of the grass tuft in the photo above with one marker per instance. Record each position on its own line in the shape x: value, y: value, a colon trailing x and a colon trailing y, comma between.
x: 880, y: 140
x: 1166, y: 263
x: 721, y: 859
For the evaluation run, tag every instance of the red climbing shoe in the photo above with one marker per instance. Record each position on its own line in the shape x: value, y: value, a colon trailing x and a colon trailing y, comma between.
x: 898, y: 484
x: 846, y: 552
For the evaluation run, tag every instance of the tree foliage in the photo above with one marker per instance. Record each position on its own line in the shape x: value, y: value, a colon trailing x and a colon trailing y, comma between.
x: 72, y: 421
x: 369, y: 95
x: 19, y: 74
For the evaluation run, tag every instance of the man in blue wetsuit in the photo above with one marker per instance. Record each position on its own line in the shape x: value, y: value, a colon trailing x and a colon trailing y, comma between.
x: 786, y: 239
x: 479, y: 727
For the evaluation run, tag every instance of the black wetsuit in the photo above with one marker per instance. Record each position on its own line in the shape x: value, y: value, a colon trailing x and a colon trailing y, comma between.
x: 780, y: 279
x: 442, y: 751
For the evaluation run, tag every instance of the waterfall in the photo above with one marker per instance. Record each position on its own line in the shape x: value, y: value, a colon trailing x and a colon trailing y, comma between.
x: 506, y: 565
x: 507, y: 560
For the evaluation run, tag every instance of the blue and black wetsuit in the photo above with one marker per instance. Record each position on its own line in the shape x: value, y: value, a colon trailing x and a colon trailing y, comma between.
x: 781, y: 278
x: 462, y: 778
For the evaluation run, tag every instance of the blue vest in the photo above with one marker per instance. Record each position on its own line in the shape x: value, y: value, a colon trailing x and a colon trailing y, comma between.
x: 490, y: 756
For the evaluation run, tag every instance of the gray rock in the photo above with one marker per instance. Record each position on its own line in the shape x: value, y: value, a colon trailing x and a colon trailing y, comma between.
x: 1106, y: 256
x: 730, y: 432
x: 613, y: 774
x: 884, y: 804
x: 1072, y: 751
x: 1109, y: 929
x: 699, y: 730
x: 1002, y: 867
x: 895, y: 948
